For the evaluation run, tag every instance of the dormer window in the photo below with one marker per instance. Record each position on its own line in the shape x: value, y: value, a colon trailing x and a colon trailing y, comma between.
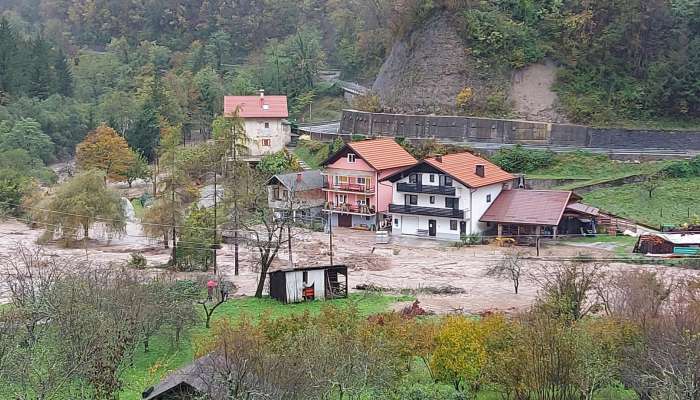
x: 351, y: 157
x: 266, y: 106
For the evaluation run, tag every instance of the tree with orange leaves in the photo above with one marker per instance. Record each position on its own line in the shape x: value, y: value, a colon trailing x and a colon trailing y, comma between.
x: 103, y: 149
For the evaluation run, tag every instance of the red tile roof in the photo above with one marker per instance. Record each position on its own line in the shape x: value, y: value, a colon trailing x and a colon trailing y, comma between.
x: 529, y: 207
x: 382, y: 154
x: 257, y: 106
x: 462, y: 167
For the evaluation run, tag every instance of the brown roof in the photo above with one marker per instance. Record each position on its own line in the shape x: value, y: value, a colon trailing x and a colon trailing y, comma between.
x: 583, y: 208
x: 462, y: 166
x: 257, y: 106
x: 382, y: 154
x: 528, y: 207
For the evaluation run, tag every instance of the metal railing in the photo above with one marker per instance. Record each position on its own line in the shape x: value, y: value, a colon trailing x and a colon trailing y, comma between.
x: 426, y: 189
x: 349, y: 187
x: 351, y: 208
x: 427, y: 211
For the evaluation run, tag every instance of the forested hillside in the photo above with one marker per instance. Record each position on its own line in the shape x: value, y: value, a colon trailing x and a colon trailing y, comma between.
x: 68, y: 65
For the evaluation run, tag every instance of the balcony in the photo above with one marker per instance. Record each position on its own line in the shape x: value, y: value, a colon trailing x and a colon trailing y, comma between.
x: 348, y: 187
x: 426, y: 189
x: 349, y: 209
x: 428, y: 211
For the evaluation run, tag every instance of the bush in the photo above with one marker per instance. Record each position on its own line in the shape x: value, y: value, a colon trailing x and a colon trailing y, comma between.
x: 519, y: 159
x: 137, y: 261
x: 424, y: 391
x: 683, y: 169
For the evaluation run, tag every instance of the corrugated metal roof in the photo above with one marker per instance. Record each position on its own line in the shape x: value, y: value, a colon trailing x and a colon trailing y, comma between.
x: 462, y: 166
x: 300, y: 181
x: 680, y: 238
x: 257, y: 106
x: 583, y: 208
x: 382, y: 154
x: 528, y: 207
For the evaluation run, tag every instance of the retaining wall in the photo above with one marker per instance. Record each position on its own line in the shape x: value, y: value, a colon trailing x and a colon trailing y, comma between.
x: 470, y: 129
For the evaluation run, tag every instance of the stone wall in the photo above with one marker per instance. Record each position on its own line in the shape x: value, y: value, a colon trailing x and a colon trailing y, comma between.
x: 469, y: 129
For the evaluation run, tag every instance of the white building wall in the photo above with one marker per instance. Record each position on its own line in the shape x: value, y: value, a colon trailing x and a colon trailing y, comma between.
x: 295, y: 284
x: 278, y: 132
x: 471, y: 201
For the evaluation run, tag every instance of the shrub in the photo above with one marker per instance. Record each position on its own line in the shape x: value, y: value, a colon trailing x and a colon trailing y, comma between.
x: 137, y: 261
x: 519, y: 159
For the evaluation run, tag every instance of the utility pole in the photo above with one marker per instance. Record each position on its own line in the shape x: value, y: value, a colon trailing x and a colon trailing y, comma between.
x: 172, y: 213
x: 235, y: 208
x: 330, y: 234
x: 289, y: 243
x: 215, y: 198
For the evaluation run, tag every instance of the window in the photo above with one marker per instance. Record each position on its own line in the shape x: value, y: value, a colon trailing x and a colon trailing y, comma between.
x: 448, y: 181
x: 413, y: 178
x: 432, y: 199
x: 453, y: 225
x: 396, y: 222
x: 362, y: 201
x: 360, y: 180
x: 285, y: 193
x: 452, y: 202
x: 339, y: 180
x: 351, y: 158
x: 267, y: 125
x: 265, y: 142
x: 488, y: 198
x: 276, y: 193
x: 305, y: 276
x: 432, y: 178
x: 411, y: 199
x: 341, y: 199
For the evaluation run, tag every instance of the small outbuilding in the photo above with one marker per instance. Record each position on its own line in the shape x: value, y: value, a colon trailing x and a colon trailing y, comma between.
x: 524, y: 214
x: 294, y: 285
x: 679, y: 244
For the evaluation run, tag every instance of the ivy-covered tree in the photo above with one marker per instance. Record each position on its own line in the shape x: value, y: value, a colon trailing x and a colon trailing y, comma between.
x: 79, y: 204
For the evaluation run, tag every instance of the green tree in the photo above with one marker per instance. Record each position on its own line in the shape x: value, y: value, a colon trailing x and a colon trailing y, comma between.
x: 77, y: 205
x: 39, y: 69
x: 138, y: 169
x: 10, y: 59
x: 282, y: 161
x: 197, y: 241
x: 63, y: 76
x: 144, y: 135
x: 26, y: 134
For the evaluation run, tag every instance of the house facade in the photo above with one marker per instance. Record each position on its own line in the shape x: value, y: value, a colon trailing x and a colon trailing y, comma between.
x: 299, y: 191
x: 265, y: 119
x: 352, y: 182
x: 445, y: 196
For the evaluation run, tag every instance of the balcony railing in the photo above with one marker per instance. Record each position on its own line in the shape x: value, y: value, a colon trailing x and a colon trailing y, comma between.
x: 350, y: 208
x: 349, y: 187
x: 427, y: 189
x: 428, y: 211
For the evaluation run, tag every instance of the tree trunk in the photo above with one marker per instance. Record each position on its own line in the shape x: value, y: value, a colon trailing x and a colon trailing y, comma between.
x: 264, y: 267
x: 86, y: 230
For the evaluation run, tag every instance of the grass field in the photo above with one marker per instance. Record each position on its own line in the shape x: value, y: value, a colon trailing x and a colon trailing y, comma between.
x: 309, y: 158
x: 149, y: 368
x: 593, y: 168
x: 671, y: 202
x: 621, y: 245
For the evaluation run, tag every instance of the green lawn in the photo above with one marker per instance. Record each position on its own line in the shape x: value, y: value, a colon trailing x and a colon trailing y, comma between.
x: 623, y: 245
x: 149, y: 368
x: 670, y: 204
x: 305, y: 154
x: 593, y: 168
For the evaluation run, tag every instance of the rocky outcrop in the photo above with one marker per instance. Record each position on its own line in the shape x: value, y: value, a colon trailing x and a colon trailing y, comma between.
x: 425, y: 69
x: 428, y: 67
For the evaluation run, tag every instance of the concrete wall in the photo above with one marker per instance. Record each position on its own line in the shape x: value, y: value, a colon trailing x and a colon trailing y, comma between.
x: 278, y: 133
x: 511, y: 131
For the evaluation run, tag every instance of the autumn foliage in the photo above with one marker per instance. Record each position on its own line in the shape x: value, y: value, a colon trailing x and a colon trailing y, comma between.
x: 103, y: 149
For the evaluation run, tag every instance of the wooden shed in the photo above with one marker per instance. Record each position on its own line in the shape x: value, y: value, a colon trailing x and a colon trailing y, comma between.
x: 294, y: 285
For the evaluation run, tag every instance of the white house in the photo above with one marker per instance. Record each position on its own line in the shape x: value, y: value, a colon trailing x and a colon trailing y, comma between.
x: 265, y: 119
x: 445, y: 196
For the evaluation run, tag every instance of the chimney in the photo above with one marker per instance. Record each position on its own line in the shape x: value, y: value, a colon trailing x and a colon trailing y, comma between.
x: 262, y: 97
x: 299, y: 176
x: 438, y: 158
x: 480, y: 170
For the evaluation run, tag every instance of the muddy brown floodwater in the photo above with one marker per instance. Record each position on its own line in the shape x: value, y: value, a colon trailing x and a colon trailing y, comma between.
x: 405, y: 263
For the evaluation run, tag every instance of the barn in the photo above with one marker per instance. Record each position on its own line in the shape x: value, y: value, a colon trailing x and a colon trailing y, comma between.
x: 294, y: 285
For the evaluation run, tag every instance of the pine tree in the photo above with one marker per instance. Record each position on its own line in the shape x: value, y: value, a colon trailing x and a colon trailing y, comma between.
x: 9, y: 57
x: 143, y: 135
x: 63, y: 75
x: 39, y: 69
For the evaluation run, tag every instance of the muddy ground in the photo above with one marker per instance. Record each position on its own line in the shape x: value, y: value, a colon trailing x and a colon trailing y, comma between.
x: 406, y: 264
